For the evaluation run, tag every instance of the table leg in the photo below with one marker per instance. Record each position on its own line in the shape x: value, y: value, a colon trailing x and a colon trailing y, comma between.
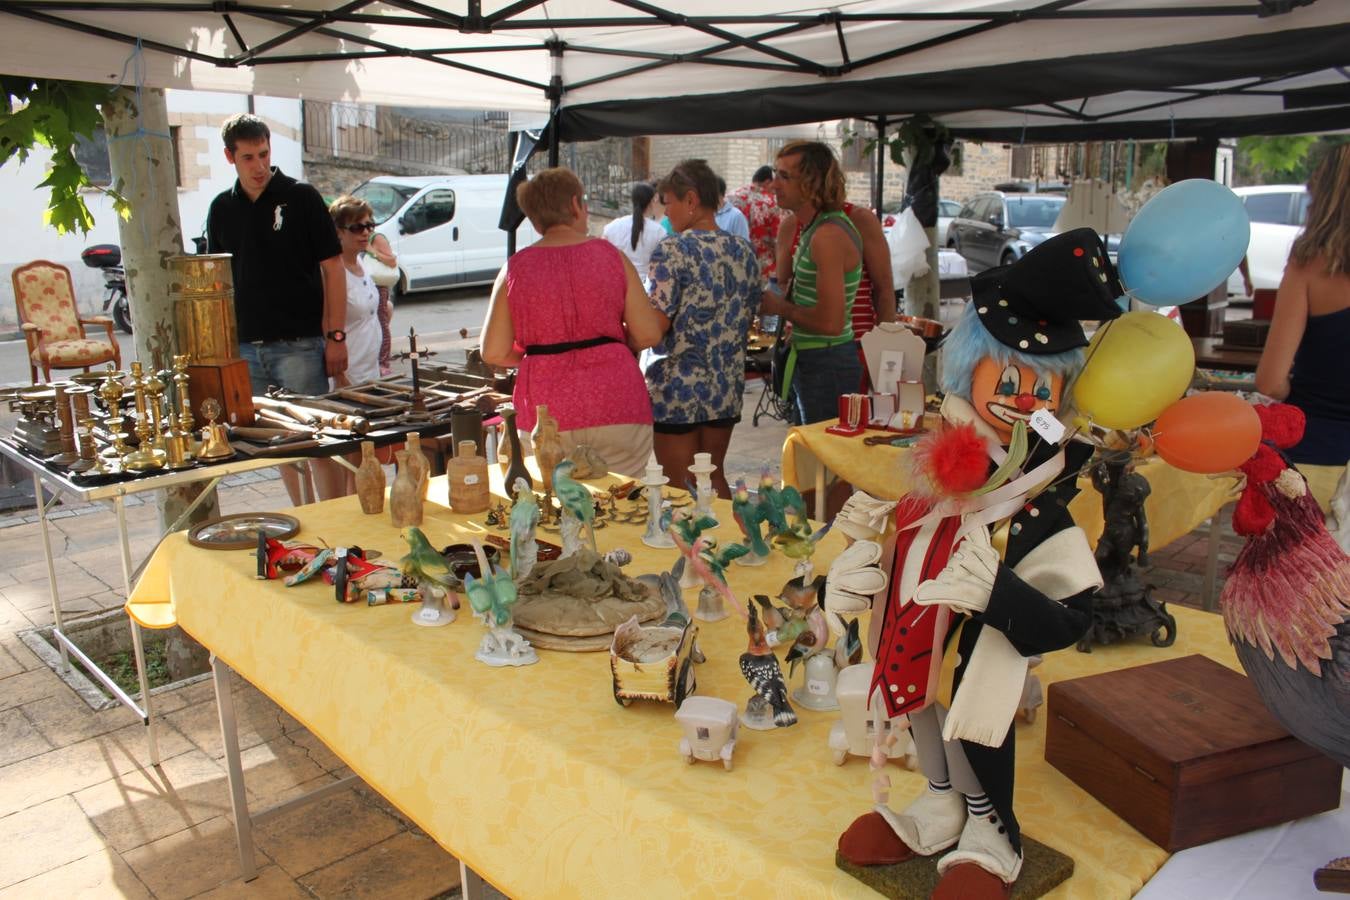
x: 306, y: 484
x: 137, y: 644
x: 51, y: 567
x: 1208, y: 596
x: 243, y: 825
x: 470, y: 883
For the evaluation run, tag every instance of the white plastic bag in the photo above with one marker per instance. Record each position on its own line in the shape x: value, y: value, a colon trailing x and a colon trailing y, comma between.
x: 909, y: 248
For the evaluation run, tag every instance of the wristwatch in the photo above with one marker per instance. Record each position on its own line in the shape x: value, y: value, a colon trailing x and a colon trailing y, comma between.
x: 337, y: 336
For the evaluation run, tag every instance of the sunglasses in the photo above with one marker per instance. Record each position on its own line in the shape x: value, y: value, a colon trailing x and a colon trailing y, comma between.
x: 359, y: 227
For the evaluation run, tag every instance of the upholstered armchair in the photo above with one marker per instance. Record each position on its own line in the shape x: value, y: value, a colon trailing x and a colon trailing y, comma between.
x: 52, y: 323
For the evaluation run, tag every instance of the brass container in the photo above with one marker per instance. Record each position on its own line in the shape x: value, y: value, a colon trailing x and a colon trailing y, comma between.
x: 203, y: 290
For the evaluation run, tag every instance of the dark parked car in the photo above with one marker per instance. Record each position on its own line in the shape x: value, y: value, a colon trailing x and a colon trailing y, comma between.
x: 996, y: 228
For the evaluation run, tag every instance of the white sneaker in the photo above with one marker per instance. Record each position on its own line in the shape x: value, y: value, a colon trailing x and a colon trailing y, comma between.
x: 984, y: 842
x: 930, y: 824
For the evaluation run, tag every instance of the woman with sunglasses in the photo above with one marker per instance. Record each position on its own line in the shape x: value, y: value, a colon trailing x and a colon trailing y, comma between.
x: 354, y: 226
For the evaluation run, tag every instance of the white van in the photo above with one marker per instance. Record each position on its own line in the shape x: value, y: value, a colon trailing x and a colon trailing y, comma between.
x: 1277, y: 213
x: 443, y: 228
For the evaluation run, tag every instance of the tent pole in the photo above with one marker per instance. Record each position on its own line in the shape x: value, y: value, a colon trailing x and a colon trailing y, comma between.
x: 879, y: 184
x: 555, y: 90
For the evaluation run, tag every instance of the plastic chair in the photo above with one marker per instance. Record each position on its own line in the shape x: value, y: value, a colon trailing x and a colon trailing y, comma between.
x: 52, y: 324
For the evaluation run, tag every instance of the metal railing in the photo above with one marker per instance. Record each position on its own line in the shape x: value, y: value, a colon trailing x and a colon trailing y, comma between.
x: 605, y: 168
x: 363, y: 132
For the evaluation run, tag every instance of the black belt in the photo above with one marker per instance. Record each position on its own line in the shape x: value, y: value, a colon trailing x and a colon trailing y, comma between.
x: 568, y: 346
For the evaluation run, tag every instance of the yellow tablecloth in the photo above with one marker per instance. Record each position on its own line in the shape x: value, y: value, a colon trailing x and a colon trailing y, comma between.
x: 539, y: 781
x: 1180, y: 501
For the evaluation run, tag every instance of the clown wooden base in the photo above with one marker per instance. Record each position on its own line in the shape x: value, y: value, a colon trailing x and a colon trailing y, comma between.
x: 1043, y: 869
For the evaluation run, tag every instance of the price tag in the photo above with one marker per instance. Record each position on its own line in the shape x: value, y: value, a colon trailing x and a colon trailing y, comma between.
x: 428, y: 615
x: 817, y: 687
x: 1047, y: 426
x: 470, y: 479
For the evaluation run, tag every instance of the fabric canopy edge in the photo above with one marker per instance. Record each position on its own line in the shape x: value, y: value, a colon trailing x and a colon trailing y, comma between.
x: 1007, y: 87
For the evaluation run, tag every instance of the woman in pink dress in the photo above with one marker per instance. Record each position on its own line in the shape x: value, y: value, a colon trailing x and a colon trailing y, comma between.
x: 568, y: 312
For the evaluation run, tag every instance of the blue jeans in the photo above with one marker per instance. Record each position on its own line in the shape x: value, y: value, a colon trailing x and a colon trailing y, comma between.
x: 295, y: 365
x: 821, y: 377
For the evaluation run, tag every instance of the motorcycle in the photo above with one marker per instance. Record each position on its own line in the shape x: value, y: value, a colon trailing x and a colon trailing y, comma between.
x: 108, y: 258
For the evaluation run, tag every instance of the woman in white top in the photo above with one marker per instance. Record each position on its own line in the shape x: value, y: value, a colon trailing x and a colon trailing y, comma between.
x: 636, y: 236
x: 353, y: 220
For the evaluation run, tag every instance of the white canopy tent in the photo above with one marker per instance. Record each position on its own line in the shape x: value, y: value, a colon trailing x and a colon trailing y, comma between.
x: 997, y: 69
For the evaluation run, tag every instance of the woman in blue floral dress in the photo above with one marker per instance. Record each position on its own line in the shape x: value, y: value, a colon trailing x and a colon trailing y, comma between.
x: 705, y: 288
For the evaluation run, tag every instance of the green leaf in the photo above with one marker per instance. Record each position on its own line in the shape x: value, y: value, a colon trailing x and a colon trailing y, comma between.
x: 50, y: 113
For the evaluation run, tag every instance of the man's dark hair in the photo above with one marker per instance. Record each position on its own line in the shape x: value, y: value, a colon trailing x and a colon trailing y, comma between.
x: 762, y: 174
x: 721, y: 186
x: 244, y: 127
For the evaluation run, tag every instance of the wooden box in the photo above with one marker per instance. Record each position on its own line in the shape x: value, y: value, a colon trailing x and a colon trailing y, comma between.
x: 1246, y: 333
x: 1185, y: 752
x: 229, y: 383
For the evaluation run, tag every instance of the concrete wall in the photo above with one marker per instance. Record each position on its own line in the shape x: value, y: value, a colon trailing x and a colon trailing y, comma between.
x: 204, y: 173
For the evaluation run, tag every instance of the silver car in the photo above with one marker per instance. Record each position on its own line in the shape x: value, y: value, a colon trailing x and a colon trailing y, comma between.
x: 996, y: 228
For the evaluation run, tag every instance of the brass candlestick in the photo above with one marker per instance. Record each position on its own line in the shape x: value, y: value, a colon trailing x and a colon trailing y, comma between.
x: 111, y: 391
x: 66, y: 424
x: 84, y: 434
x: 146, y: 456
x: 87, y: 433
x: 78, y: 396
x: 185, y: 423
x: 154, y: 398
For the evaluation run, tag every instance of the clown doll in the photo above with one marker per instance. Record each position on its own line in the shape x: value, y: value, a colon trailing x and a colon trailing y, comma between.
x: 990, y: 567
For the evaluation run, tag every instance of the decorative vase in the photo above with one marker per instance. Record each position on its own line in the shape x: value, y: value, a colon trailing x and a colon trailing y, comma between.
x: 417, y: 462
x: 468, y: 477
x: 516, y: 468
x: 370, y: 481
x: 466, y: 424
x: 405, y: 503
x: 548, y: 450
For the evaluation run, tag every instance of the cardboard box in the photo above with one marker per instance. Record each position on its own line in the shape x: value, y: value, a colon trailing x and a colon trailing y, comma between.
x: 1185, y: 752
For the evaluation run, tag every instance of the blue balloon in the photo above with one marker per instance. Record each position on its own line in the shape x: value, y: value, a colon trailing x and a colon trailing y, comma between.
x: 1183, y: 243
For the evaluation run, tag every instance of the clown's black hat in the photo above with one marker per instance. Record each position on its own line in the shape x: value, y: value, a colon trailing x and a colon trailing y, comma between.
x: 1035, y: 305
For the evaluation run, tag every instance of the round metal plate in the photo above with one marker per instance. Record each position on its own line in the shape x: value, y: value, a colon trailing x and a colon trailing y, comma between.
x: 240, y: 531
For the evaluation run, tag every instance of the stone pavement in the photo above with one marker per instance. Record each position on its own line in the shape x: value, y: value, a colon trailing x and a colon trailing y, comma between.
x: 82, y: 814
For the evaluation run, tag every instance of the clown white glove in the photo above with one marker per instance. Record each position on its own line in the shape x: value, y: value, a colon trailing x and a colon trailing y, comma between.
x: 851, y: 582
x: 967, y: 581
x: 863, y: 517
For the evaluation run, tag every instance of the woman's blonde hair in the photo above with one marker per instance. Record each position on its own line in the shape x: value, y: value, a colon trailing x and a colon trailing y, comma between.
x: 822, y: 179
x: 546, y: 199
x: 692, y: 175
x: 347, y: 209
x: 1327, y: 231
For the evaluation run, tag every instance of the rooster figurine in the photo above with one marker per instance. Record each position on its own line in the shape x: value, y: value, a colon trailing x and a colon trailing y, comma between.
x: 760, y: 668
x: 1286, y: 603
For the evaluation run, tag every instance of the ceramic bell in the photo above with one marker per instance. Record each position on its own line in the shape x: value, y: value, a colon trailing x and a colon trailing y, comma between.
x: 817, y: 690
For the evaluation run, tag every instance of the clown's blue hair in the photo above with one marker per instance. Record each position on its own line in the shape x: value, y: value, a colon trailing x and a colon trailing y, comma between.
x: 969, y: 342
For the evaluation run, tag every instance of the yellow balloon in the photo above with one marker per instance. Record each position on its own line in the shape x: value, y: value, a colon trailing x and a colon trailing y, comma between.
x: 1137, y: 365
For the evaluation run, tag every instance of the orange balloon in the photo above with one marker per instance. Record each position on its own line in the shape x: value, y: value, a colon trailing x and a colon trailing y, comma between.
x: 1207, y: 433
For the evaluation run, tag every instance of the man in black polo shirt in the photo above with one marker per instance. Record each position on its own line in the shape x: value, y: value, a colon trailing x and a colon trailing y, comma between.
x: 290, y: 291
